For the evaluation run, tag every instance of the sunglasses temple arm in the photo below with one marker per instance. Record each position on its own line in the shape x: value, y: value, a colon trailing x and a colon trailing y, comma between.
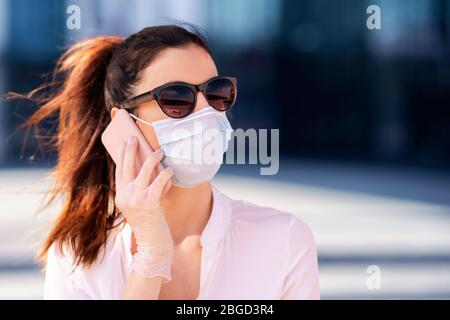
x: 139, y: 119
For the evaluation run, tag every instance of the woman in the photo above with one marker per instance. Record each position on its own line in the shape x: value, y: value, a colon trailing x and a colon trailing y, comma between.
x: 136, y: 234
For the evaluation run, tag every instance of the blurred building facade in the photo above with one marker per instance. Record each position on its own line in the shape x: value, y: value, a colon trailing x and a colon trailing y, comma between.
x: 312, y: 68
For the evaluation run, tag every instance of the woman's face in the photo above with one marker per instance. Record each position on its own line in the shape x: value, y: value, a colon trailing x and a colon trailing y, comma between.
x: 191, y: 64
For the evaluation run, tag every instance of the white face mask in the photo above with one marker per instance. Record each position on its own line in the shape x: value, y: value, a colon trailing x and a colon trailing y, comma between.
x: 193, y: 146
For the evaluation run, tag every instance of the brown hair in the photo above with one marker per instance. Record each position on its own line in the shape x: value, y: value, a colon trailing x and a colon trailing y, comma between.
x: 89, y: 79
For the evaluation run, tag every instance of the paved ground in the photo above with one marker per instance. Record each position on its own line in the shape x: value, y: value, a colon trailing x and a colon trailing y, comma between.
x: 397, y: 219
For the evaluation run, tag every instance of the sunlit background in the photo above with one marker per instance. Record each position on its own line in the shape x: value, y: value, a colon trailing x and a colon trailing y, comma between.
x: 363, y: 116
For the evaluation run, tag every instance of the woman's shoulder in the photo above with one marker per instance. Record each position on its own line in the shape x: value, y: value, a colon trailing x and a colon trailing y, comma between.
x: 65, y: 253
x: 270, y: 221
x: 64, y: 278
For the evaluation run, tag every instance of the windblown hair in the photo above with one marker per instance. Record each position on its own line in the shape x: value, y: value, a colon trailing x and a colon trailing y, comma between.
x: 90, y: 78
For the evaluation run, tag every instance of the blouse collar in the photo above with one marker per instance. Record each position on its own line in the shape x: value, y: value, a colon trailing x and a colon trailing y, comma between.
x: 219, y: 220
x: 215, y: 229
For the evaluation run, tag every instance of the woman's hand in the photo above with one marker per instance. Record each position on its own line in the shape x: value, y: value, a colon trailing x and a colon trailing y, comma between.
x: 138, y: 198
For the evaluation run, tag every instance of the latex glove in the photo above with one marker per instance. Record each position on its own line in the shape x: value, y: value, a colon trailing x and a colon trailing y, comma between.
x: 138, y: 198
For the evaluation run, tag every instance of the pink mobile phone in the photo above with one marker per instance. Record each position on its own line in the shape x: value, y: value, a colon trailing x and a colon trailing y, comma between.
x: 119, y: 130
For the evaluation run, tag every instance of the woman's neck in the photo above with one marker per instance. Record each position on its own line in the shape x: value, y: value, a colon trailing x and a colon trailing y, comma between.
x: 187, y: 211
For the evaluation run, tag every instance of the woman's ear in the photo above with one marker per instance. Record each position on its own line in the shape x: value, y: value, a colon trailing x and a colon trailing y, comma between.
x: 113, y: 112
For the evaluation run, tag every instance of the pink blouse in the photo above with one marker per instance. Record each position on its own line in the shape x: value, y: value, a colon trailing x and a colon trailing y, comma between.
x: 248, y: 252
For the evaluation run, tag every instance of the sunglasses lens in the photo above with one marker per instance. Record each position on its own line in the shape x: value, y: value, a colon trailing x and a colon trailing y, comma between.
x: 221, y: 94
x: 176, y: 101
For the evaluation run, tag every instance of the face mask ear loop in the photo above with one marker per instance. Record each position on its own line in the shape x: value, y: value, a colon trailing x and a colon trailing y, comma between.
x: 148, y: 123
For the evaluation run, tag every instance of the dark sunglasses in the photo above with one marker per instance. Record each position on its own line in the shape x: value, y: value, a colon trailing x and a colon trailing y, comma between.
x: 178, y: 99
